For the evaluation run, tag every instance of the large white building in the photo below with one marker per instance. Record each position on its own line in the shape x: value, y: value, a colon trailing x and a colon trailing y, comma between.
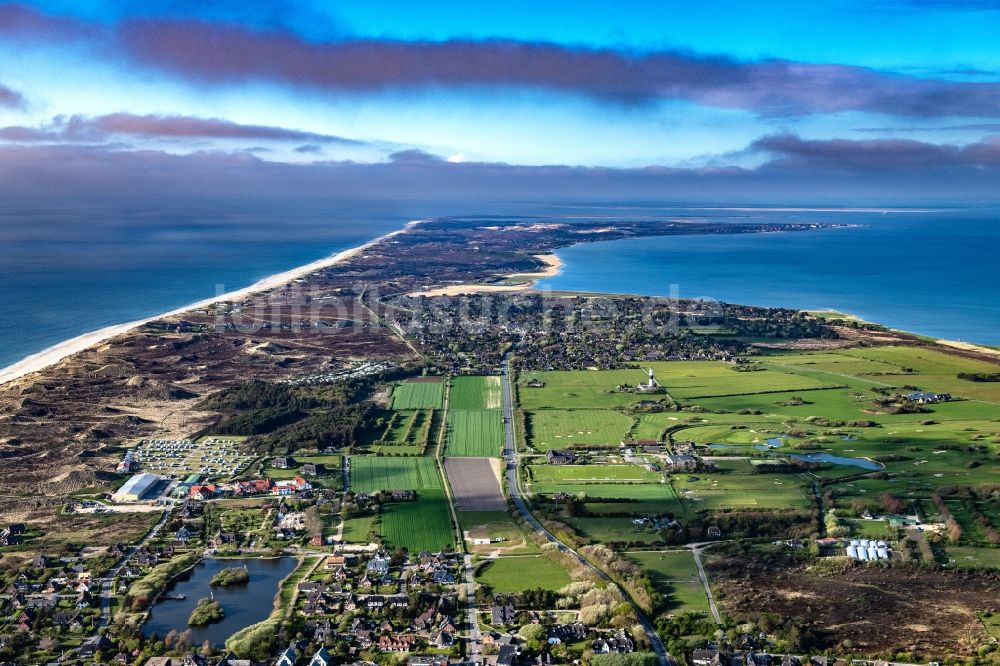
x: 137, y: 488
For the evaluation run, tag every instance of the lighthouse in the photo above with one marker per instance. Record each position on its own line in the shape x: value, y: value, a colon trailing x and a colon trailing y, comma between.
x: 652, y: 384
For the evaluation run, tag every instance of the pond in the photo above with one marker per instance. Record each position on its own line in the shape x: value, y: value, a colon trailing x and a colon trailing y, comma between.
x: 243, y: 604
x: 863, y: 463
x: 770, y: 443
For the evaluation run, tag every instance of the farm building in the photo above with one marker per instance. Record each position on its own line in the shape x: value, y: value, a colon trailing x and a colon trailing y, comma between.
x: 561, y: 457
x: 138, y: 488
x: 925, y: 397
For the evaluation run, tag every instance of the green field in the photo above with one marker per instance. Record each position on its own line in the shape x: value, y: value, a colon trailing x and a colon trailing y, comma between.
x: 418, y: 395
x: 967, y: 557
x: 843, y: 402
x: 685, y: 380
x: 371, y: 474
x: 422, y: 524
x: 742, y: 491
x: 562, y: 428
x: 610, y: 529
x: 675, y: 576
x: 475, y: 393
x: 594, y: 473
x: 516, y: 573
x: 357, y: 530
x: 475, y: 433
x: 495, y: 525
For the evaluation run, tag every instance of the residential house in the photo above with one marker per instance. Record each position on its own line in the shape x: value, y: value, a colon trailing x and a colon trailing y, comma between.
x: 434, y: 660
x: 502, y: 614
x: 620, y: 643
x: 507, y: 655
x: 561, y: 457
x: 93, y: 644
x: 397, y: 643
x: 287, y: 657
x: 321, y: 658
x: 567, y: 633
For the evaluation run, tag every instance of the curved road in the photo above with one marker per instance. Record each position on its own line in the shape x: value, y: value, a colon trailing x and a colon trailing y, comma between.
x: 510, y: 458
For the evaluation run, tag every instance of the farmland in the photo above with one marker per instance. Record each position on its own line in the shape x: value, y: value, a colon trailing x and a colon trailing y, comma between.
x: 418, y: 394
x: 404, y: 432
x: 475, y: 484
x: 420, y: 524
x: 475, y: 393
x: 371, y: 474
x: 475, y: 433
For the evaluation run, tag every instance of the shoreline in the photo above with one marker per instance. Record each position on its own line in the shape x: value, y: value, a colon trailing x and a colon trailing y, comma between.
x: 52, y: 355
x: 553, y: 267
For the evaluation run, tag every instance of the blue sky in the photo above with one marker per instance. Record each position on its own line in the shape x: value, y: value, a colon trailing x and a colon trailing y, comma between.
x: 625, y: 85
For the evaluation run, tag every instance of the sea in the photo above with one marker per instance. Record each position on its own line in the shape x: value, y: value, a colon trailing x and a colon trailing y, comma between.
x: 71, y: 268
x: 930, y: 272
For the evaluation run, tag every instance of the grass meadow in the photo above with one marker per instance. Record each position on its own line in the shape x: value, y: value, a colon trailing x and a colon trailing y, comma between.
x: 475, y: 433
x: 516, y: 573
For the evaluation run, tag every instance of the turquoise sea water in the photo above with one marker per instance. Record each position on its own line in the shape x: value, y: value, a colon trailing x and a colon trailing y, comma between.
x: 933, y: 273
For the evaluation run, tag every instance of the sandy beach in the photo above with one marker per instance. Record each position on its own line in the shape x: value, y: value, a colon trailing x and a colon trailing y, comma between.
x: 552, y: 267
x: 56, y: 353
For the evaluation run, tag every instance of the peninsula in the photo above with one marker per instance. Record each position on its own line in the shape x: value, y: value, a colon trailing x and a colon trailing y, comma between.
x: 605, y: 473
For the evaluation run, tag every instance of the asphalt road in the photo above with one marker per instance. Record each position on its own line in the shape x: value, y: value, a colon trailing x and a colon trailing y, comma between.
x: 107, y: 585
x: 470, y: 611
x: 510, y: 458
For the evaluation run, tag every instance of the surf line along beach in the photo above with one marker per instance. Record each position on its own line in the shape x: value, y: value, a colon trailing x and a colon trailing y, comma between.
x: 56, y: 353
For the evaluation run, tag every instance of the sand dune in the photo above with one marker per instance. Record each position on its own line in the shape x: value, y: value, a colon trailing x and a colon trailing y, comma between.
x: 55, y: 353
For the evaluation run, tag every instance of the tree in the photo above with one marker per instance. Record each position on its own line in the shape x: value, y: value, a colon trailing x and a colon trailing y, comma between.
x: 534, y: 636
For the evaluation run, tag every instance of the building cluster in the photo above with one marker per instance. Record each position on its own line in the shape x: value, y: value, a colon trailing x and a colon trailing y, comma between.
x: 13, y: 534
x: 716, y: 657
x: 129, y: 463
x: 868, y: 550
x: 284, y: 487
x: 363, y: 369
x: 470, y: 334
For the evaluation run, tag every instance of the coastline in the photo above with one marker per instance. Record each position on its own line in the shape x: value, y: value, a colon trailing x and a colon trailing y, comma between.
x: 54, y: 354
x: 517, y: 283
x: 553, y: 267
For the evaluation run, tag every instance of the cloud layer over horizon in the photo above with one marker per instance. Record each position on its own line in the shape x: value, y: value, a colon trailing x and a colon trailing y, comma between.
x: 148, y: 86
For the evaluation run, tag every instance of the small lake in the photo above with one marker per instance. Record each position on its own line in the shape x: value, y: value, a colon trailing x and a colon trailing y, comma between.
x: 243, y: 604
x: 863, y: 463
x: 771, y: 443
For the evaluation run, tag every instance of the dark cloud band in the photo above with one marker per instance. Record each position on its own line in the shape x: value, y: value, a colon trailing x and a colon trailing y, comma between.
x: 212, y: 52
